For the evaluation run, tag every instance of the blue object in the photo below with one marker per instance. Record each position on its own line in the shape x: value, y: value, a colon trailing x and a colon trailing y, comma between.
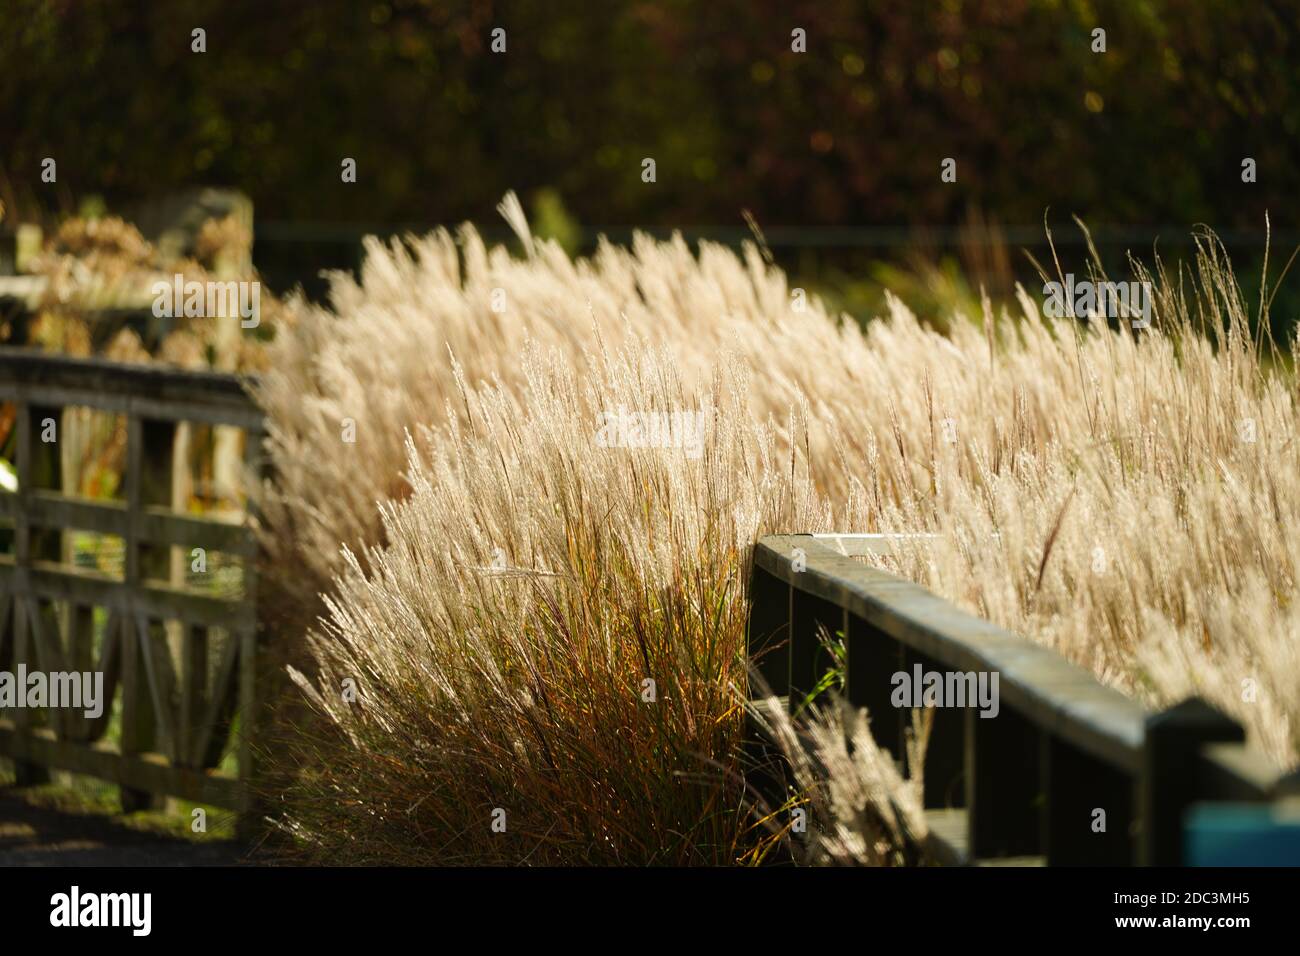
x: 1242, y: 834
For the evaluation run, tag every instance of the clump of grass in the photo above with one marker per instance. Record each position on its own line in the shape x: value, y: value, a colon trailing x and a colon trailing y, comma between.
x: 860, y: 807
x: 554, y: 630
x: 385, y: 357
x: 1099, y: 494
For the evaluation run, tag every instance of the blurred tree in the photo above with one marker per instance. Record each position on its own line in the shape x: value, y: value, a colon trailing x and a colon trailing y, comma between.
x: 851, y: 132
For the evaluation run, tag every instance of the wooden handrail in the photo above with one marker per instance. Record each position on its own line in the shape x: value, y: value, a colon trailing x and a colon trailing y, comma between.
x: 1061, y: 747
x: 153, y: 391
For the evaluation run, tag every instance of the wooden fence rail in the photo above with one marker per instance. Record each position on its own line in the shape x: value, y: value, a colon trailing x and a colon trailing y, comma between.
x: 178, y: 661
x: 1024, y: 785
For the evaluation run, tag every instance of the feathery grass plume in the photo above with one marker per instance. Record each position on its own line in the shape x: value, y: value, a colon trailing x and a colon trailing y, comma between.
x: 522, y: 684
x: 862, y: 808
x: 1172, y: 569
x: 390, y: 353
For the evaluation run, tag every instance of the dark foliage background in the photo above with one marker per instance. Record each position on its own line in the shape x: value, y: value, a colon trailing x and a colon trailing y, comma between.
x: 851, y: 134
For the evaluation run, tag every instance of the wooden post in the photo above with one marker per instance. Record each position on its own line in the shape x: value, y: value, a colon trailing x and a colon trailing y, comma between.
x: 231, y: 266
x: 769, y: 629
x: 809, y: 617
x: 178, y: 499
x: 37, y: 467
x: 81, y: 658
x: 250, y: 706
x: 47, y: 544
x: 874, y: 658
x: 1168, y: 785
x: 148, y: 481
x: 76, y: 432
x: 768, y: 632
x: 1003, y: 787
x: 945, y: 756
x: 193, y: 694
x: 1076, y: 785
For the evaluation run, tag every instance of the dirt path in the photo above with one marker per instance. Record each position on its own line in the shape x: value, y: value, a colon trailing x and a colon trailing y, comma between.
x: 32, y: 835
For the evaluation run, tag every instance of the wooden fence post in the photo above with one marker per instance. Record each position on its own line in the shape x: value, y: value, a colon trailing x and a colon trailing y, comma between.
x: 874, y: 658
x: 1168, y: 785
x: 1076, y: 785
x: 34, y: 620
x: 945, y: 757
x: 767, y: 634
x: 1003, y: 784
x: 250, y: 706
x: 148, y: 481
x: 810, y: 617
x: 769, y: 629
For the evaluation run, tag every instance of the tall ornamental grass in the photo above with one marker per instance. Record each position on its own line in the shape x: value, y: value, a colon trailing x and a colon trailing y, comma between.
x: 501, y: 583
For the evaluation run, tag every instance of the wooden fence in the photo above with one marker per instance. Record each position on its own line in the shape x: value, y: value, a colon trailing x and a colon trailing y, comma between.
x: 1023, y: 786
x: 178, y: 659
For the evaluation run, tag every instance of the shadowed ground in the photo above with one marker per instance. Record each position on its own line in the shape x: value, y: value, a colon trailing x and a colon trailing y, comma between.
x: 34, y: 835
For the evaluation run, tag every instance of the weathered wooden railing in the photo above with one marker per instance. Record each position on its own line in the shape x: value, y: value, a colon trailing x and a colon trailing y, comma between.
x: 1025, y: 784
x: 178, y: 661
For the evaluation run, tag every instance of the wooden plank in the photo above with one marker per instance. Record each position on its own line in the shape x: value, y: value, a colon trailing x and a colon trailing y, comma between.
x: 1034, y: 680
x: 945, y: 754
x: 872, y: 545
x: 1076, y: 785
x: 221, y: 704
x: 80, y: 657
x: 26, y: 773
x: 812, y: 621
x: 229, y: 534
x: 193, y: 693
x: 49, y: 508
x: 44, y: 636
x: 768, y: 634
x: 162, y: 601
x: 138, y: 724
x: 175, y: 410
x: 160, y: 680
x: 110, y: 656
x: 874, y: 657
x: 250, y: 704
x: 23, y: 469
x: 46, y: 376
x: 155, y: 524
x: 45, y: 468
x: 1003, y: 784
x: 22, y: 653
x: 143, y: 772
x: 155, y: 598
